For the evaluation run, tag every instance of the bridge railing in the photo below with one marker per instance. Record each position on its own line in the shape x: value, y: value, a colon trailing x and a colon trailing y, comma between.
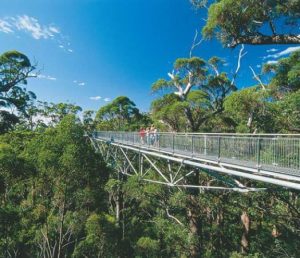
x: 271, y: 152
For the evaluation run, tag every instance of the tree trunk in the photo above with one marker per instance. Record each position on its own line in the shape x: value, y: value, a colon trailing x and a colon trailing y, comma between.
x: 194, y: 230
x: 245, y: 236
x: 190, y: 119
x: 194, y: 219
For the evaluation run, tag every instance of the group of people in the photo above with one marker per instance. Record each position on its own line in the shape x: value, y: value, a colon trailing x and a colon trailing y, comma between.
x: 149, y: 136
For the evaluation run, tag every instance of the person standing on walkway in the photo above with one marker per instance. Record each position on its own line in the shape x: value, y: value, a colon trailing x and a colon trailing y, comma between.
x: 152, y: 137
x: 148, y: 135
x: 156, y: 137
x: 142, y: 133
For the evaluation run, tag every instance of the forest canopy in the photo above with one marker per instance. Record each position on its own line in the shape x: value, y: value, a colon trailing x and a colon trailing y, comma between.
x: 61, y: 197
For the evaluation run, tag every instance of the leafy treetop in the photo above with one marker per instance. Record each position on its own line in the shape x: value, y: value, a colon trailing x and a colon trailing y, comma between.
x: 253, y: 22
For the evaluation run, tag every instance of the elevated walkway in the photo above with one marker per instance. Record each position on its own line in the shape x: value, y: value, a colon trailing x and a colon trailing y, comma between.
x: 269, y: 158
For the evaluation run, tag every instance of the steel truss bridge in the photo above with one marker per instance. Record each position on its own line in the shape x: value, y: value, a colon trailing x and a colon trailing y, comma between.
x: 171, y: 158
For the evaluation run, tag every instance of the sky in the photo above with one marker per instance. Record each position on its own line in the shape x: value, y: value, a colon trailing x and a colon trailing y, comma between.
x: 89, y: 52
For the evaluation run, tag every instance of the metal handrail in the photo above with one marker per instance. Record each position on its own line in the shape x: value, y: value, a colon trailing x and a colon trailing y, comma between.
x: 220, y: 134
x: 270, y: 152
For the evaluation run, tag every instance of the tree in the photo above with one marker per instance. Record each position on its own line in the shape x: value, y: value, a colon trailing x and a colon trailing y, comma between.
x: 253, y: 22
x: 169, y: 111
x: 15, y: 69
x: 200, y: 86
x: 285, y: 75
x: 251, y: 110
x: 289, y: 117
x: 56, y: 112
x: 120, y: 114
x: 67, y: 187
x: 88, y: 121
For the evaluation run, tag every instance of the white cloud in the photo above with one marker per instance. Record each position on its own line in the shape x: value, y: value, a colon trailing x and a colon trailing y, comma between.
x: 284, y: 52
x: 258, y: 66
x: 43, y: 76
x: 272, y: 62
x: 107, y: 99
x: 54, y: 29
x: 46, y: 77
x: 79, y: 83
x: 34, y: 28
x: 272, y: 50
x: 95, y: 98
x: 5, y: 26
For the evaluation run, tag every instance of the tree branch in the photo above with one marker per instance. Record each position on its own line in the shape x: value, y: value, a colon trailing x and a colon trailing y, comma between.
x: 258, y: 39
x: 195, y: 43
x: 241, y: 55
x: 257, y: 78
x: 172, y: 217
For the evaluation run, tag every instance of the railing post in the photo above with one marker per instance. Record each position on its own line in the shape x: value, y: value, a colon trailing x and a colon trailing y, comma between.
x: 192, y: 145
x: 298, y: 156
x: 205, y: 144
x: 258, y: 153
x: 173, y: 142
x: 219, y: 148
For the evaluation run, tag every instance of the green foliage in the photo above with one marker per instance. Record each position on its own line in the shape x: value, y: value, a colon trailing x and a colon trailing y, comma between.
x: 169, y: 111
x: 236, y: 22
x: 250, y: 110
x: 147, y: 247
x: 100, y: 240
x: 59, y: 199
x: 192, y: 70
x: 288, y: 120
x: 201, y: 89
x: 286, y: 75
x: 15, y: 68
x: 121, y: 114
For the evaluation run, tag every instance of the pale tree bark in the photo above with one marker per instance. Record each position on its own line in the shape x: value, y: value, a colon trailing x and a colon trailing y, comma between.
x: 238, y: 66
x: 245, y: 219
x: 257, y: 78
x: 174, y: 218
x: 195, y: 43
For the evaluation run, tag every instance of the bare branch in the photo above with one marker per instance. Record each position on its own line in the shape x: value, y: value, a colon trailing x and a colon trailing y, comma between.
x: 189, y: 85
x: 172, y: 217
x: 241, y: 55
x: 257, y: 78
x: 180, y: 91
x: 195, y: 43
x: 215, y: 69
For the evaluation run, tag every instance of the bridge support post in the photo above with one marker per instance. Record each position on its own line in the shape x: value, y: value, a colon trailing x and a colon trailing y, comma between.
x: 258, y: 153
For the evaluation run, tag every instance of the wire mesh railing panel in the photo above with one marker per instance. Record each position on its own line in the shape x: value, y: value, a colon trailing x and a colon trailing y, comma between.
x: 239, y: 150
x: 165, y: 141
x: 183, y: 144
x: 273, y: 153
x: 281, y: 154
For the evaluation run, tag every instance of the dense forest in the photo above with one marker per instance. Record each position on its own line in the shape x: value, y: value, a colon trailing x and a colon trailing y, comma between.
x: 60, y: 199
